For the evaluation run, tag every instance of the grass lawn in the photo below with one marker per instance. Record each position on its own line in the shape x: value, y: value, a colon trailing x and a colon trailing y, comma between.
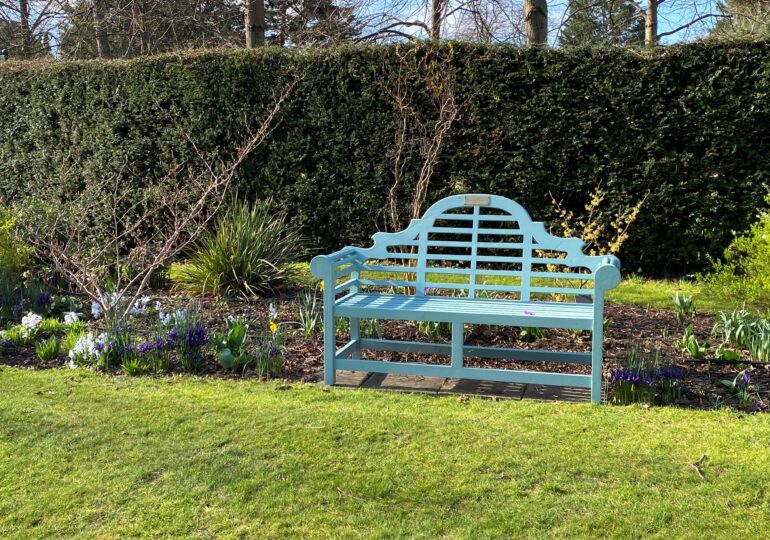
x: 85, y: 455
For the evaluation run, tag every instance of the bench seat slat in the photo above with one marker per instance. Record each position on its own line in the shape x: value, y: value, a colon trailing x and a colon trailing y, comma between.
x: 467, y: 310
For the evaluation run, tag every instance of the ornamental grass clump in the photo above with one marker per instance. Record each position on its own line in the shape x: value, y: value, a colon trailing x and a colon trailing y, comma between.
x: 251, y: 251
x: 645, y: 379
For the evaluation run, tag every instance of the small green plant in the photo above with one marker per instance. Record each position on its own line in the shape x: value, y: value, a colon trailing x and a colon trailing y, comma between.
x: 576, y: 332
x: 72, y: 336
x: 685, y: 307
x: 741, y: 387
x: 19, y: 335
x: 759, y: 342
x: 229, y: 344
x: 736, y: 327
x: 341, y: 325
x: 433, y: 329
x: 250, y: 251
x: 689, y: 344
x: 309, y: 315
x: 50, y: 326
x: 48, y: 350
x: 529, y: 334
x: 136, y: 365
x: 725, y: 354
x: 66, y: 304
x: 370, y: 328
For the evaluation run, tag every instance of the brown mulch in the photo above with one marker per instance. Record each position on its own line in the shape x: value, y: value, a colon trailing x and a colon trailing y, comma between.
x: 630, y: 326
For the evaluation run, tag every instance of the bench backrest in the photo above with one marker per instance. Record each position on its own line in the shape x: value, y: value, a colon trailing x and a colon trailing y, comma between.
x: 479, y: 245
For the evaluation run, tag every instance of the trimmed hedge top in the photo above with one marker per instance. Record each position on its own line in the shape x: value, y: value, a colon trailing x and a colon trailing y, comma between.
x: 686, y: 126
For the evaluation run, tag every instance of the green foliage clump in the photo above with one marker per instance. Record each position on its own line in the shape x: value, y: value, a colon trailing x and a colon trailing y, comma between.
x: 250, y: 251
x: 230, y: 344
x: 685, y: 306
x: 48, y: 350
x: 689, y: 344
x: 743, y: 329
x: 745, y: 271
x: 14, y: 253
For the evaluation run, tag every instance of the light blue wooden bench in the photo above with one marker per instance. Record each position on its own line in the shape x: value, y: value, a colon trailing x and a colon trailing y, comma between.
x: 476, y: 239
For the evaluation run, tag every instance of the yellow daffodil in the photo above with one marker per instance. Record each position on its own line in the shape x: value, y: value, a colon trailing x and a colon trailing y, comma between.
x: 273, y: 327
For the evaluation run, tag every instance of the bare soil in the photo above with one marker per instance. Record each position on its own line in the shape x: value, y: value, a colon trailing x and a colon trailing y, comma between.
x: 629, y: 326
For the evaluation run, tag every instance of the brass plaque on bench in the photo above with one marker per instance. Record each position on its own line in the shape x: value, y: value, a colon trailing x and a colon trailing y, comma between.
x: 476, y: 200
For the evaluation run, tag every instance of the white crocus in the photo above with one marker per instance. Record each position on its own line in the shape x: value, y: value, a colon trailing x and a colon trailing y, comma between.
x: 71, y: 317
x: 30, y: 321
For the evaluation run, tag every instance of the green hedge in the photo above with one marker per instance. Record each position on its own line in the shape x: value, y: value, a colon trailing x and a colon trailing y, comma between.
x: 688, y: 125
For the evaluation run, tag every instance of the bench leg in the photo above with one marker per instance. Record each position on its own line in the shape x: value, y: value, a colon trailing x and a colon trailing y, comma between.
x: 457, y: 345
x: 597, y: 345
x: 330, y: 344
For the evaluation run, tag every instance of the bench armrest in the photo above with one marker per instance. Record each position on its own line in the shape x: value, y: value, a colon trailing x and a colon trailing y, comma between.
x: 323, y: 266
x: 607, y: 274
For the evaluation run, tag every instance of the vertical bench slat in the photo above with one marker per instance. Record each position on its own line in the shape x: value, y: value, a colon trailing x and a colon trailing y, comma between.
x: 474, y: 251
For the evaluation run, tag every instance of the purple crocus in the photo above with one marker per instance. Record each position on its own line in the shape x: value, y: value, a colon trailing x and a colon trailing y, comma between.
x: 196, y: 336
x: 44, y: 300
x: 745, y: 379
x: 173, y: 335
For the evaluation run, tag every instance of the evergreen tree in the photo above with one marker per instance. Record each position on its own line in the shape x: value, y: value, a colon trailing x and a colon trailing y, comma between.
x: 309, y: 22
x: 743, y: 18
x: 609, y: 22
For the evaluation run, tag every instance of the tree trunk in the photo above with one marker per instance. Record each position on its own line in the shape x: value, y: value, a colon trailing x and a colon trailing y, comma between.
x: 255, y: 23
x: 138, y: 30
x: 437, y: 16
x: 536, y: 17
x: 102, y: 42
x: 651, y: 23
x: 26, y: 37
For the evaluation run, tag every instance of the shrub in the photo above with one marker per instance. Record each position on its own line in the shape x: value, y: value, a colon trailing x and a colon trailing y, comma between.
x: 14, y: 253
x: 249, y: 252
x: 745, y: 271
x: 533, y: 121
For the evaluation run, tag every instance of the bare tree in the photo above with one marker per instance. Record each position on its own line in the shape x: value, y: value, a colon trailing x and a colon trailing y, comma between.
x: 536, y: 17
x: 62, y: 231
x: 29, y: 26
x: 255, y: 23
x: 102, y: 41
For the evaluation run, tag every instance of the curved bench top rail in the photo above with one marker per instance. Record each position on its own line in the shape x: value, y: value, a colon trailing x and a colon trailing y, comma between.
x: 475, y: 244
